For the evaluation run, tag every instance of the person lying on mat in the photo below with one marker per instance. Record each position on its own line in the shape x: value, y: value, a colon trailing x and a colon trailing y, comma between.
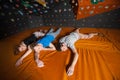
x: 69, y: 41
x: 29, y: 40
x: 45, y: 43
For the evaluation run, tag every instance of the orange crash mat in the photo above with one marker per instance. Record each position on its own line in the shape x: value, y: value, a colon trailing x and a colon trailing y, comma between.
x: 99, y: 58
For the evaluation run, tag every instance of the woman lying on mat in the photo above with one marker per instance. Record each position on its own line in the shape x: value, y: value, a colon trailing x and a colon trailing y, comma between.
x: 29, y: 40
x: 69, y: 41
x: 41, y: 44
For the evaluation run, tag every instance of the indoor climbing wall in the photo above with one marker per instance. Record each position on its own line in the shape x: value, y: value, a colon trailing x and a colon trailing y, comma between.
x: 19, y: 15
x: 86, y: 8
x: 36, y: 7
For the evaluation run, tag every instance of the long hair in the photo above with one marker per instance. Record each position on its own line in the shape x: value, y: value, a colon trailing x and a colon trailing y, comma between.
x: 16, y: 51
x: 57, y: 45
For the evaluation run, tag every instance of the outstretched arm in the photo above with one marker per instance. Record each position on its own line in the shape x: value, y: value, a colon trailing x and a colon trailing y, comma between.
x: 38, y: 62
x: 70, y: 70
x: 87, y: 36
x: 19, y: 61
x: 37, y: 55
x: 37, y: 49
x: 51, y: 47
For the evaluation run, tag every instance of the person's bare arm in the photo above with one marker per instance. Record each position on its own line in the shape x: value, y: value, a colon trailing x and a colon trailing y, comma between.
x: 51, y: 47
x: 87, y: 36
x: 70, y: 70
x: 39, y: 62
x: 19, y: 61
x: 75, y: 57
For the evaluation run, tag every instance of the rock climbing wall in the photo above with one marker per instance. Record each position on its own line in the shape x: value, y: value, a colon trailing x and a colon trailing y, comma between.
x: 86, y: 8
x: 20, y: 15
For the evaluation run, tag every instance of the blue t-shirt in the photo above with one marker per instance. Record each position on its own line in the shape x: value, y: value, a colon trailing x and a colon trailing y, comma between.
x: 46, y: 40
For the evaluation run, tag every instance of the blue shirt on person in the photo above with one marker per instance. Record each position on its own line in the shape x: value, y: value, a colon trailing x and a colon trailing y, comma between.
x: 46, y: 40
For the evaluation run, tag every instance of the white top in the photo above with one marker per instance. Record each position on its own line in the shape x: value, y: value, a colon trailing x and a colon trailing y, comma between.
x: 70, y: 39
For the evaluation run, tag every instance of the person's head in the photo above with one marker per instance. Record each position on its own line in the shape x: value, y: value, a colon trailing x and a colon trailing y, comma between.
x: 19, y: 48
x: 63, y: 47
x: 22, y: 47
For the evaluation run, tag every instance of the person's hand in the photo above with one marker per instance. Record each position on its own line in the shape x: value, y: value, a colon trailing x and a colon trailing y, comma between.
x: 70, y: 71
x: 101, y: 34
x: 19, y: 62
x: 40, y: 63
